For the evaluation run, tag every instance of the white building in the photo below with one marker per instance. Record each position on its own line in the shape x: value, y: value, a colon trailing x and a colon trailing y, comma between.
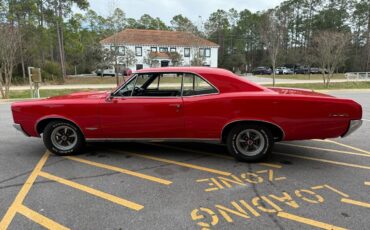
x: 158, y: 45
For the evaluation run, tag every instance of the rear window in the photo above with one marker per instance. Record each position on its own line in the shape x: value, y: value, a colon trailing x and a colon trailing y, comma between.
x: 195, y: 85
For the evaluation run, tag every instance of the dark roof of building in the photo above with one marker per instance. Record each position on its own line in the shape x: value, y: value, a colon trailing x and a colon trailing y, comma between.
x: 157, y: 37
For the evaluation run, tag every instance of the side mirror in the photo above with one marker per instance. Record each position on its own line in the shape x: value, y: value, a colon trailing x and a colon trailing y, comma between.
x: 109, y: 97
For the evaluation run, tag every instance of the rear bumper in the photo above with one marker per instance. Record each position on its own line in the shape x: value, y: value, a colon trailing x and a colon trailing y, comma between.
x: 353, y: 126
x: 20, y: 129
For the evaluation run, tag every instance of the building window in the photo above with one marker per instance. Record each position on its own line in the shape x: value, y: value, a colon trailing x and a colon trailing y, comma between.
x: 201, y: 52
x: 173, y: 50
x: 208, y: 52
x: 139, y: 51
x: 187, y: 52
x: 163, y: 49
x: 154, y: 49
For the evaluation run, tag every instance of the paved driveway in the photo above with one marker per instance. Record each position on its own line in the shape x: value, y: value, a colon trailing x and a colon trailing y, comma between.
x: 304, y: 185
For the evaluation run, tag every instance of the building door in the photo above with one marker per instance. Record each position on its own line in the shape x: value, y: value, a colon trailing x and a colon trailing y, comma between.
x: 165, y: 63
x: 139, y: 66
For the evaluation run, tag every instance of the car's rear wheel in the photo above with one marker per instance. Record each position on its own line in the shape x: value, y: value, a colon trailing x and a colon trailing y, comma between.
x: 250, y: 143
x: 63, y: 138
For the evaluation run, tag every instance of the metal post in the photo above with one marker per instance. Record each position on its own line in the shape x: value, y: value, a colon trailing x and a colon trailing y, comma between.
x: 30, y: 80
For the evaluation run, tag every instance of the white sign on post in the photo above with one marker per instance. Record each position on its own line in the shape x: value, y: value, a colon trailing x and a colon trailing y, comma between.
x: 35, y: 79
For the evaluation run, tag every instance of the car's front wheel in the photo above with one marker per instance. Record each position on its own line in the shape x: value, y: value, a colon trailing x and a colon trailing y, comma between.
x: 63, y: 138
x: 250, y: 142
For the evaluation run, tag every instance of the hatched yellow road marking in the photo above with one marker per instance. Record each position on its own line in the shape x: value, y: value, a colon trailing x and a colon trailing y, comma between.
x: 344, y: 145
x: 40, y: 219
x: 121, y: 170
x: 336, y: 190
x: 215, y: 171
x: 367, y: 183
x: 7, y: 219
x: 324, y: 149
x: 325, y: 161
x: 355, y: 202
x: 307, y: 221
x: 103, y: 195
x: 213, y: 154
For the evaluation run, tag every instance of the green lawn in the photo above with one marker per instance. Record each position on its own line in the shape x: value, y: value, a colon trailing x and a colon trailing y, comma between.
x: 78, y: 81
x: 48, y: 92
x: 320, y: 86
x: 303, y: 76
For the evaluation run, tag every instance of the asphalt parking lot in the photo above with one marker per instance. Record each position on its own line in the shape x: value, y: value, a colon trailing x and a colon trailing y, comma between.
x: 304, y: 185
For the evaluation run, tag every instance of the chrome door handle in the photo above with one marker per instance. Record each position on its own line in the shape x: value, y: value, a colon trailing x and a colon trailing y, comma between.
x: 177, y: 106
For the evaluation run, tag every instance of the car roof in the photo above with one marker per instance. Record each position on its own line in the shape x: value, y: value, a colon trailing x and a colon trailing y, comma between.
x: 196, y: 70
x: 224, y: 80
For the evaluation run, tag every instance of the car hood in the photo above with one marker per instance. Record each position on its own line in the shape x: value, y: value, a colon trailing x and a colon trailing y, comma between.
x: 81, y: 95
x: 298, y: 92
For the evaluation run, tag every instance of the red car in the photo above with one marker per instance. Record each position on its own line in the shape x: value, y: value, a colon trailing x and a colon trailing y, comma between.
x: 188, y: 104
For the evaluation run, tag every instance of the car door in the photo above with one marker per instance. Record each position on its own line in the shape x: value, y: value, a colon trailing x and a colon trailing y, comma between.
x: 204, y: 113
x: 147, y: 107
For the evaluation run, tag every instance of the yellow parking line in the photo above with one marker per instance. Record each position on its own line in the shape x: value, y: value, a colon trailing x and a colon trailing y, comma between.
x: 213, y: 154
x: 307, y: 221
x: 103, y: 195
x: 355, y: 202
x: 324, y: 149
x: 7, y: 219
x: 344, y: 145
x: 121, y: 170
x: 40, y: 219
x: 367, y: 183
x: 325, y: 161
x: 215, y: 171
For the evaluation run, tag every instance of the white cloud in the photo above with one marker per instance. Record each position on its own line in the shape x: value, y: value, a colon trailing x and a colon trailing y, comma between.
x: 166, y: 9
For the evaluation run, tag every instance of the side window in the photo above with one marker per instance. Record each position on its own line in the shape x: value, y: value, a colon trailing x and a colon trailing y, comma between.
x: 140, y: 84
x: 194, y: 85
x: 166, y: 85
x: 126, y: 91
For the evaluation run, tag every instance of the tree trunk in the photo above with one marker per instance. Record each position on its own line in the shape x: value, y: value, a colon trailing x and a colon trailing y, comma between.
x: 1, y: 84
x: 21, y: 53
x: 368, y: 39
x: 59, y: 20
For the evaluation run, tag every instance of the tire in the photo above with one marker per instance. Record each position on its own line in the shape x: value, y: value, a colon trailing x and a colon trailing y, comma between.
x: 246, y: 149
x: 61, y: 143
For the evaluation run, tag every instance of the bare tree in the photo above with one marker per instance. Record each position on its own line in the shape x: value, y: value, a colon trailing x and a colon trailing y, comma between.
x: 198, y: 59
x: 128, y: 58
x: 272, y: 29
x: 176, y: 58
x: 116, y: 23
x: 329, y: 49
x: 9, y: 46
x: 150, y: 59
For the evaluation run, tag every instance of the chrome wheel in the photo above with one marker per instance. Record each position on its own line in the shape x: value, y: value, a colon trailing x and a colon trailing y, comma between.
x: 64, y: 138
x: 250, y: 142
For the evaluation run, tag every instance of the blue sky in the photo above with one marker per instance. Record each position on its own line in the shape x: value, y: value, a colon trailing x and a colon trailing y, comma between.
x: 166, y: 9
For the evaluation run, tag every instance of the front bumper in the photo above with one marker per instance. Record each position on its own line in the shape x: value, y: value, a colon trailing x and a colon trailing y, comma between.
x: 20, y: 129
x: 353, y: 126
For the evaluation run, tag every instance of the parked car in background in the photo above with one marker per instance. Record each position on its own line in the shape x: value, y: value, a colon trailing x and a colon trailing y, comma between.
x: 309, y: 70
x: 262, y: 70
x: 106, y: 71
x: 283, y: 71
x: 315, y: 70
x: 188, y: 103
x: 126, y: 72
x: 302, y: 70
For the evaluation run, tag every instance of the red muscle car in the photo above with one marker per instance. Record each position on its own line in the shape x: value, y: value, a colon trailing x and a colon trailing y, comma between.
x: 188, y: 104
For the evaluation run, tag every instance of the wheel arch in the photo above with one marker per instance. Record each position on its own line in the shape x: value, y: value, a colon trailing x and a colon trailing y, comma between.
x: 276, y: 130
x: 43, y: 122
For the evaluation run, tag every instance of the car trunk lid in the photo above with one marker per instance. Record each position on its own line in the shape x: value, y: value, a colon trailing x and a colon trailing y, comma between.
x: 302, y: 92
